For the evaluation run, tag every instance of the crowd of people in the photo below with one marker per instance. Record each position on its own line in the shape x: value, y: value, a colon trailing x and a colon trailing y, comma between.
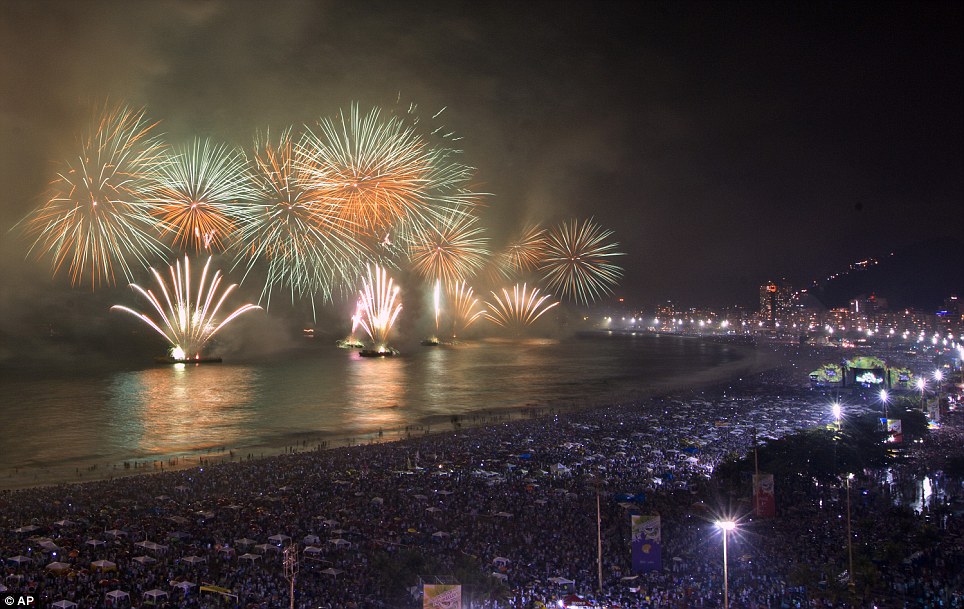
x: 517, y: 503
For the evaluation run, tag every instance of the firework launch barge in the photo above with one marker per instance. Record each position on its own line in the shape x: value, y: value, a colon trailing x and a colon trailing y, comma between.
x: 167, y: 359
x: 382, y: 352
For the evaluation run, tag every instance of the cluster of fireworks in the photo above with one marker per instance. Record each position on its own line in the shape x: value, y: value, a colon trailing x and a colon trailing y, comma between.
x: 310, y: 213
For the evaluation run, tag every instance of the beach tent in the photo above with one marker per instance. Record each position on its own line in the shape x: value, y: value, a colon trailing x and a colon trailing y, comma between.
x: 561, y: 581
x: 264, y: 547
x: 279, y: 539
x: 95, y: 542
x: 49, y: 546
x: 244, y: 542
x: 332, y: 571
x: 440, y: 534
x: 65, y: 523
x: 144, y: 560
x: 192, y: 560
x: 311, y: 540
x: 118, y: 595
x: 104, y: 565
x: 64, y: 604
x: 153, y: 595
x: 57, y: 567
x: 251, y: 557
x: 341, y: 543
x: 313, y: 550
x: 19, y: 559
x: 115, y: 533
x: 30, y: 528
x: 184, y: 586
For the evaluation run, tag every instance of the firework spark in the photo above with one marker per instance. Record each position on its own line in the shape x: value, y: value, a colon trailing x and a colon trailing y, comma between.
x: 380, y: 306
x: 577, y: 261
x: 464, y: 306
x: 203, y: 194
x: 189, y: 320
x: 451, y: 250
x: 307, y: 246
x: 525, y: 252
x: 521, y: 308
x: 97, y: 220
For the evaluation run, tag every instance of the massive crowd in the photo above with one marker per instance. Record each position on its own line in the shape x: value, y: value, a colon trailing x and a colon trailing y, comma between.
x: 516, y: 502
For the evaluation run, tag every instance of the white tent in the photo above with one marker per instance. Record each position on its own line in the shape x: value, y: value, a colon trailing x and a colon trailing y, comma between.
x: 264, y: 547
x: 49, y: 546
x: 341, y: 543
x: 562, y: 581
x: 104, y: 565
x: 332, y: 571
x: 144, y: 560
x: 279, y: 539
x: 184, y: 586
x: 65, y: 523
x: 440, y: 534
x: 95, y: 542
x: 154, y: 594
x: 251, y: 557
x: 311, y: 539
x: 192, y: 560
x: 313, y: 550
x: 30, y: 528
x: 57, y: 567
x: 19, y: 559
x: 244, y: 541
x: 117, y: 595
x: 115, y: 533
x: 64, y: 604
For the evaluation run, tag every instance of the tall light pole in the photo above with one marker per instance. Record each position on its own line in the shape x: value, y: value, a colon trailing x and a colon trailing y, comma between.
x: 883, y: 399
x: 290, y: 562
x: 939, y: 377
x: 850, y: 537
x: 837, y: 413
x: 726, y: 526
x: 922, y: 385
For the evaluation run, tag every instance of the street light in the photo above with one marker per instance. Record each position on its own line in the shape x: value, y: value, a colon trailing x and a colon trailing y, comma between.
x: 883, y: 399
x: 921, y: 384
x: 837, y: 412
x: 939, y: 377
x: 726, y: 526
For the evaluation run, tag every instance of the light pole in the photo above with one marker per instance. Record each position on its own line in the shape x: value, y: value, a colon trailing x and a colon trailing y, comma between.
x: 922, y: 385
x: 726, y: 526
x: 883, y: 399
x: 290, y: 561
x: 850, y: 546
x: 837, y: 413
x: 939, y: 377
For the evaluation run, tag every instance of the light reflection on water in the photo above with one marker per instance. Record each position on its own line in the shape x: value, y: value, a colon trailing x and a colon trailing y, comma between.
x: 320, y: 392
x: 171, y: 409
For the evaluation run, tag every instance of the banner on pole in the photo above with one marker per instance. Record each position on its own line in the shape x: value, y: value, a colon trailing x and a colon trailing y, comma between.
x: 646, y: 543
x: 764, y: 502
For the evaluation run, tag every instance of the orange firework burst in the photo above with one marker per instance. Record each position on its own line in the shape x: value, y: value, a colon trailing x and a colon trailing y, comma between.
x: 525, y: 252
x: 376, y: 170
x: 97, y: 220
x: 203, y: 194
x: 465, y: 307
x: 450, y: 250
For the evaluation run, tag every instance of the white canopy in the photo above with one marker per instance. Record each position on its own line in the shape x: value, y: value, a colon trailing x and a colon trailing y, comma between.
x: 105, y: 565
x: 251, y: 557
x: 117, y: 594
x: 562, y: 581
x: 63, y: 604
x: 185, y: 585
x: 341, y: 543
x: 116, y: 533
x: 332, y: 571
x: 57, y: 566
x: 154, y: 594
x: 313, y: 550
x: 144, y: 559
x: 244, y: 541
x: 279, y: 538
x: 193, y: 560
x: 95, y: 542
x: 20, y: 559
x: 311, y: 539
x: 440, y: 534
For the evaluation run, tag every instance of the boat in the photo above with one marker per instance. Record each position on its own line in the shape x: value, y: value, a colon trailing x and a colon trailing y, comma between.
x: 431, y: 342
x: 167, y: 359
x: 384, y: 352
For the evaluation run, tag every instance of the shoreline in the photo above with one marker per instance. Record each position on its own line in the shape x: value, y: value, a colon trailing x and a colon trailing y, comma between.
x: 761, y: 359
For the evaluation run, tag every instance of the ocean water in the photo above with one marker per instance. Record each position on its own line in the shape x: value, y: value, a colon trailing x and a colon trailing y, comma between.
x: 54, y: 420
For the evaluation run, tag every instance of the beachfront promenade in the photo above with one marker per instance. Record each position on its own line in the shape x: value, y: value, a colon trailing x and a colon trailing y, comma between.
x: 514, y: 503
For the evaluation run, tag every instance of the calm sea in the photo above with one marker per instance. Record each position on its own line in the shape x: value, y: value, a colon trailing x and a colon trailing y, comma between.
x: 55, y: 420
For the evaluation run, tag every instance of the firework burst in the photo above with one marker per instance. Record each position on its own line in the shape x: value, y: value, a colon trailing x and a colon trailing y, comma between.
x: 379, y: 306
x: 97, y: 221
x: 524, y: 253
x: 451, y: 250
x: 187, y: 318
x: 577, y: 261
x: 518, y: 310
x: 203, y: 195
x: 306, y: 243
x: 464, y: 307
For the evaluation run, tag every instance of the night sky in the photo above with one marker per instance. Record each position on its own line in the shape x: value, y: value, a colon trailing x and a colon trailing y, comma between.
x: 725, y: 144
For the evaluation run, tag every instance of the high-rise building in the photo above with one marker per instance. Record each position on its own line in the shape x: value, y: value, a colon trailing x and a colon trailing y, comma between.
x: 775, y: 301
